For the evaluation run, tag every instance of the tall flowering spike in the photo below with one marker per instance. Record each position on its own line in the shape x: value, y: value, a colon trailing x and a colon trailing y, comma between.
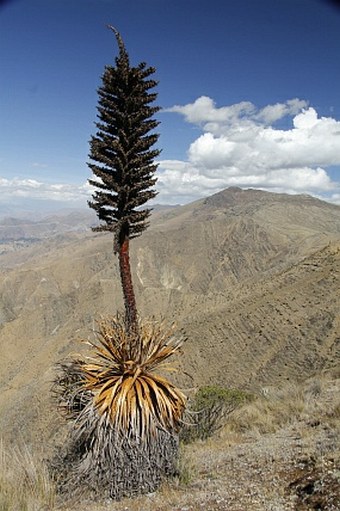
x: 122, y: 159
x: 122, y: 51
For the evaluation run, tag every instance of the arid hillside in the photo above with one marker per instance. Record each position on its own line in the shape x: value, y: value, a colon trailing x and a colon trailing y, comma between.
x: 251, y: 277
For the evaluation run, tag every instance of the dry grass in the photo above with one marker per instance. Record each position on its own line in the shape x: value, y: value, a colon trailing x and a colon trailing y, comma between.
x: 25, y: 484
x: 277, y: 407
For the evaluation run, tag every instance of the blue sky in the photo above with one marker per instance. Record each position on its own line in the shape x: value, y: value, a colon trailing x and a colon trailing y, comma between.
x: 249, y: 92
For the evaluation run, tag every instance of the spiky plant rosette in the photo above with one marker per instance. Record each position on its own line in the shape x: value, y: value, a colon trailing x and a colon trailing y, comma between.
x: 121, y: 376
x: 125, y: 414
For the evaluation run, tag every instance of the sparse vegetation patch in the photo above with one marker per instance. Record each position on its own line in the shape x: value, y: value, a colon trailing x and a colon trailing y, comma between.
x: 209, y: 409
x: 25, y: 483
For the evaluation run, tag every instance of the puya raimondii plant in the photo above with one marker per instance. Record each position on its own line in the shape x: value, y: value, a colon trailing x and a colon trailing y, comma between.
x: 125, y: 415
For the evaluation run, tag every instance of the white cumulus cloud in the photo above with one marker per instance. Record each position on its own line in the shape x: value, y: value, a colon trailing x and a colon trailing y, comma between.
x: 241, y: 145
x: 30, y: 188
x: 238, y: 145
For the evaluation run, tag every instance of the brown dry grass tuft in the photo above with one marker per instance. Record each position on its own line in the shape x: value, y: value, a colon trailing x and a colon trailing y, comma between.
x: 25, y: 484
x: 277, y: 407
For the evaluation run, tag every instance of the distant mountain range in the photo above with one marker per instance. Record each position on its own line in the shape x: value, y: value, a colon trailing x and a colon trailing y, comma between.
x: 13, y: 228
x: 251, y: 277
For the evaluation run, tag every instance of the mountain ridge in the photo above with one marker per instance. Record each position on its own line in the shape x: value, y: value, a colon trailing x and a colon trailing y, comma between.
x: 251, y: 277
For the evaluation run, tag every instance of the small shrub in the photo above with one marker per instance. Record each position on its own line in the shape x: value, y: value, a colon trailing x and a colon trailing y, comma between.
x: 208, y: 411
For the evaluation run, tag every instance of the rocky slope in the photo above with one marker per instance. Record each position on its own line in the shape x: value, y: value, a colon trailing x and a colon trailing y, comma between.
x: 252, y: 278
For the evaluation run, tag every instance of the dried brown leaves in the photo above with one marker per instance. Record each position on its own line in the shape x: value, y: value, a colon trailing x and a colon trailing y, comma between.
x: 120, y: 373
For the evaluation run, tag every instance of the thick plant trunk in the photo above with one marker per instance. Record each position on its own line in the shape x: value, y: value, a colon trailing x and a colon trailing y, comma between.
x: 128, y: 292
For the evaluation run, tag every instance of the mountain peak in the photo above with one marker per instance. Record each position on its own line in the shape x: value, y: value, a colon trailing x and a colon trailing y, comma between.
x: 232, y: 196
